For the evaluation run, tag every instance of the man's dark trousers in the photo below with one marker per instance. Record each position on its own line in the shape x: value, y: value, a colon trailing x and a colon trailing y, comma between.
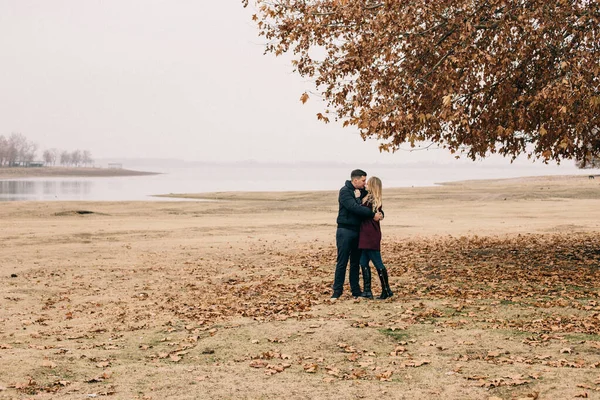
x: 347, y: 248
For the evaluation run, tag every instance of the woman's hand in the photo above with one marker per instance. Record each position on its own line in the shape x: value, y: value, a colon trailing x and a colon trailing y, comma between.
x: 356, y: 193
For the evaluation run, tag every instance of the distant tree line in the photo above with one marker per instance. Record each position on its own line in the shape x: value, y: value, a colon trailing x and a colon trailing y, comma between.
x: 16, y: 150
x: 76, y: 158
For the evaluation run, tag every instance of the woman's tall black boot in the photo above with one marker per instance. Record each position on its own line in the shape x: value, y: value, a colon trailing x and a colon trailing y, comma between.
x: 366, y: 273
x: 385, y: 284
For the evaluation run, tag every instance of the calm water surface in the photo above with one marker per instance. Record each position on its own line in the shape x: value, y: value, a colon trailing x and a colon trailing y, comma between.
x: 260, y: 177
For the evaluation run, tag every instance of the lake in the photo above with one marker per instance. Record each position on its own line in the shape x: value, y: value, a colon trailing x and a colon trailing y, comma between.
x: 203, y: 178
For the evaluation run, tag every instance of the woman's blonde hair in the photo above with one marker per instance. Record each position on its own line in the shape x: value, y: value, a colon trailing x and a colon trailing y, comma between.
x: 375, y: 189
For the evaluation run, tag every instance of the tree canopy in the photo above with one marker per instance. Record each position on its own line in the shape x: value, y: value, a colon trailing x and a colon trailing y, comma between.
x: 495, y: 76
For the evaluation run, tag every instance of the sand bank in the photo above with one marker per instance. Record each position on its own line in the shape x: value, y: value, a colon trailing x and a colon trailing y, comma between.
x: 496, y: 288
x: 42, y: 172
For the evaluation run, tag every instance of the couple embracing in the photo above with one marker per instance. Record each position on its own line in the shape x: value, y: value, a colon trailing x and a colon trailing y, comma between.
x: 358, y: 236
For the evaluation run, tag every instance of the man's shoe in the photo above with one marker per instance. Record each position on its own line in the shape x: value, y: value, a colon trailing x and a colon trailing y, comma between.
x: 336, y: 295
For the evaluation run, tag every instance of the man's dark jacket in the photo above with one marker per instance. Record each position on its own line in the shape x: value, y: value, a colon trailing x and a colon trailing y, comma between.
x: 351, y: 213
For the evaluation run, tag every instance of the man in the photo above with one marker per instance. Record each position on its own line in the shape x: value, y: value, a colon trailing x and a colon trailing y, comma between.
x: 350, y: 216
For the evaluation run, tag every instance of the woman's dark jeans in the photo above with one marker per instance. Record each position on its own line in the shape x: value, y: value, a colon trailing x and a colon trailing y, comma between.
x: 373, y: 255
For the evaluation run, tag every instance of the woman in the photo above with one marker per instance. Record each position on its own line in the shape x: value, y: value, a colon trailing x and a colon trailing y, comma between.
x: 370, y: 242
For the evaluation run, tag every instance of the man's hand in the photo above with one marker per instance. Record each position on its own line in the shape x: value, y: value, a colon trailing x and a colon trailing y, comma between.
x: 356, y: 193
x: 378, y: 216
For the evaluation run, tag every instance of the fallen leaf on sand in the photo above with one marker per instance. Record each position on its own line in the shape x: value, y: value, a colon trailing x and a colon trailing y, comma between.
x: 385, y: 376
x: 258, y: 364
x: 48, y: 364
x: 310, y: 368
x: 566, y: 350
x: 103, y: 364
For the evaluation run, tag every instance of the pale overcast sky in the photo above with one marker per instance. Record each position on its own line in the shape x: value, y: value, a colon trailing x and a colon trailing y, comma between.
x: 179, y: 79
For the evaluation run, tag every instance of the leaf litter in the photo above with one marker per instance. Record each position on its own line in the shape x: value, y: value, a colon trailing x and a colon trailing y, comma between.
x: 542, y: 288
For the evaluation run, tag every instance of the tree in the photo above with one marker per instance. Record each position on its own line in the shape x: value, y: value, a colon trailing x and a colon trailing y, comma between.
x: 50, y: 156
x: 54, y: 153
x: 87, y: 158
x: 592, y: 160
x: 65, y: 158
x: 76, y: 157
x: 47, y: 157
x: 19, y: 149
x: 29, y: 151
x: 3, y: 150
x: 498, y: 76
x: 14, y: 144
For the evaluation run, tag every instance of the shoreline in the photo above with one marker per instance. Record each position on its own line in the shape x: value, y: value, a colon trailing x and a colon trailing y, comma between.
x: 469, y: 188
x: 51, y: 172
x: 454, y: 186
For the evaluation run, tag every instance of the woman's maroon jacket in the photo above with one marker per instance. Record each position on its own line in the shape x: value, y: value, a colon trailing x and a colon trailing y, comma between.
x: 370, y: 233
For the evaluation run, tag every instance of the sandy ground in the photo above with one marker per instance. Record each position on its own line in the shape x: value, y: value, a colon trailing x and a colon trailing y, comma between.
x: 496, y: 297
x: 20, y: 172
